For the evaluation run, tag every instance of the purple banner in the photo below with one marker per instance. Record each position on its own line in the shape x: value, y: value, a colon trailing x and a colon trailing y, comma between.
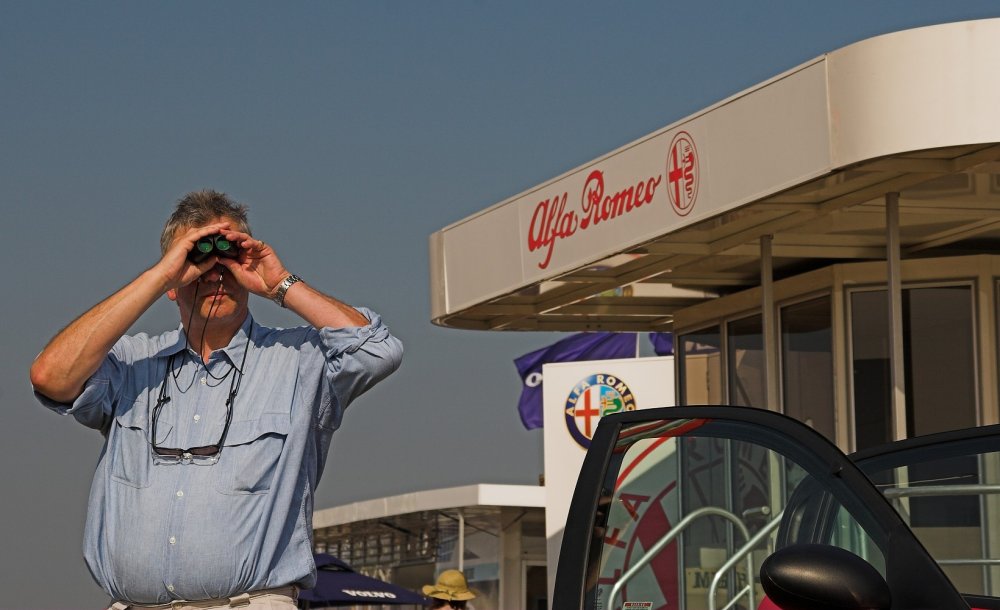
x: 581, y: 346
x: 663, y: 343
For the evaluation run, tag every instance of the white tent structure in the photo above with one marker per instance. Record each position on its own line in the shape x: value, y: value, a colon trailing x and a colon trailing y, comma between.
x: 495, y: 534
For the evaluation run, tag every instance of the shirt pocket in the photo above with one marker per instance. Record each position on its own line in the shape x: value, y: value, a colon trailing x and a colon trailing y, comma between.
x: 251, y: 453
x: 130, y: 449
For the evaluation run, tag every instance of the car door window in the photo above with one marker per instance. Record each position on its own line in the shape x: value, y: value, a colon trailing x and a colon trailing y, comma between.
x: 690, y: 508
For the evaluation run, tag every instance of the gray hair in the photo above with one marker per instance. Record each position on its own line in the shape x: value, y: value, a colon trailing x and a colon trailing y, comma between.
x: 197, y: 208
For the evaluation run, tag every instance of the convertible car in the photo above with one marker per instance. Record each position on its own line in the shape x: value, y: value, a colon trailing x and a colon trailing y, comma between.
x: 715, y: 508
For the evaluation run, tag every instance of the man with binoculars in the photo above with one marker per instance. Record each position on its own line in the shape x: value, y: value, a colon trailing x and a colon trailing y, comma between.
x: 216, y: 433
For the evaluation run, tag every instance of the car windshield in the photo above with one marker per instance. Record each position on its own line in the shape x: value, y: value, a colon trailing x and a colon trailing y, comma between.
x: 947, y: 489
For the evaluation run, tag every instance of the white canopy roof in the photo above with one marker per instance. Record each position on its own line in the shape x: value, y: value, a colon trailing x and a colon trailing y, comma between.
x: 416, y: 520
x: 466, y: 496
x: 675, y: 218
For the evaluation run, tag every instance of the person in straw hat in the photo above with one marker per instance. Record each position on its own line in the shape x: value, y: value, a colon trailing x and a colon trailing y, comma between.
x: 450, y: 591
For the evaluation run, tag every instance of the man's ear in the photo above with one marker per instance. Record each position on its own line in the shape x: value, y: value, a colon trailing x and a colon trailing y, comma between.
x: 172, y: 294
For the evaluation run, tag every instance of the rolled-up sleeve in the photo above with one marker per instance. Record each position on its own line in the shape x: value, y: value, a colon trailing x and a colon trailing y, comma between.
x: 359, y: 357
x: 94, y: 406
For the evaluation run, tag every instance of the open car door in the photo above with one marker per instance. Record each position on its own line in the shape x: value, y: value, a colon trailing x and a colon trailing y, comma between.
x: 731, y: 507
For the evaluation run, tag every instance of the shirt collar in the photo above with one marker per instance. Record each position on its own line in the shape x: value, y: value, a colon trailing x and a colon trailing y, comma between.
x: 234, y: 351
x: 240, y: 342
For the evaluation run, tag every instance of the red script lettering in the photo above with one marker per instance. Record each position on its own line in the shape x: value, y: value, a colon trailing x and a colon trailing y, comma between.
x: 551, y: 221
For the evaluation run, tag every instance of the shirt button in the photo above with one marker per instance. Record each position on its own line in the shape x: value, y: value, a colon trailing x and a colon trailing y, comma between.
x: 173, y: 540
x: 170, y: 588
x: 204, y: 380
x: 197, y: 417
x: 180, y: 494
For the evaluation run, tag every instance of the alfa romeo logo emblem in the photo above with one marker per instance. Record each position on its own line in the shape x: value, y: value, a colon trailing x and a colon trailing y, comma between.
x: 683, y: 173
x: 592, y: 398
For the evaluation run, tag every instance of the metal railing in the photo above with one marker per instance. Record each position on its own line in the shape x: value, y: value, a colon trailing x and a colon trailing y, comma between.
x: 730, y: 563
x: 926, y: 491
x: 940, y: 490
x: 708, y: 511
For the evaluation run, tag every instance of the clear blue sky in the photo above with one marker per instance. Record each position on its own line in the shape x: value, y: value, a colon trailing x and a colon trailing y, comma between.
x: 353, y: 130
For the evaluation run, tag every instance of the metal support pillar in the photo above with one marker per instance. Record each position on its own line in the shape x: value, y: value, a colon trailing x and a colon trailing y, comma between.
x: 895, y: 291
x: 461, y: 540
x: 769, y: 320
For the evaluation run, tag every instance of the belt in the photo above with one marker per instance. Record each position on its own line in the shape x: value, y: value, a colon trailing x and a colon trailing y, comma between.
x: 236, y: 601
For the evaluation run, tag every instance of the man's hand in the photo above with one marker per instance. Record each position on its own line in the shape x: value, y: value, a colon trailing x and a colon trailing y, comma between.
x: 176, y: 269
x: 258, y: 268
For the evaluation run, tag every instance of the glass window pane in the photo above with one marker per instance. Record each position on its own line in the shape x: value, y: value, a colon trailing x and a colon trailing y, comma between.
x: 940, y: 359
x: 807, y: 364
x: 536, y: 596
x: 701, y: 367
x: 870, y: 368
x: 746, y: 362
x: 645, y: 505
x: 683, y: 498
x: 939, y: 356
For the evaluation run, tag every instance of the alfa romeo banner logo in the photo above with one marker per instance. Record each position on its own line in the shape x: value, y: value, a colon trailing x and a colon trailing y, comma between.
x: 592, y: 398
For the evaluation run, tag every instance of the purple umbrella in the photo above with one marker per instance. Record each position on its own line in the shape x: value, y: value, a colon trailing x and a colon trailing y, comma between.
x: 338, y: 585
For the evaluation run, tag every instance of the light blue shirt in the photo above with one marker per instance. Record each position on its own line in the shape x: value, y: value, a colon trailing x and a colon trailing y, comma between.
x: 159, y: 532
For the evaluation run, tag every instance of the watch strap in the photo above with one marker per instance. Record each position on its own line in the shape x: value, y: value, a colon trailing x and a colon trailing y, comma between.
x: 283, y: 286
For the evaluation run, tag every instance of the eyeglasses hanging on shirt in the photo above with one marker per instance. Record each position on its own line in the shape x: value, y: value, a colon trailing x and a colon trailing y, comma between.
x: 205, y: 455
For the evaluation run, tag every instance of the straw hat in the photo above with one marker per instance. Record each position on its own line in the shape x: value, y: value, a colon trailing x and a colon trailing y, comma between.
x: 451, y: 585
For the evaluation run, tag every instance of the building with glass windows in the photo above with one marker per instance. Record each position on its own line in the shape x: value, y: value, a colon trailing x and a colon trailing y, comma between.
x: 822, y: 244
x: 834, y: 348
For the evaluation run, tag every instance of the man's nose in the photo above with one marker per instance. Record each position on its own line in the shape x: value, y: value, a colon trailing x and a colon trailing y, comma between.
x: 214, y: 274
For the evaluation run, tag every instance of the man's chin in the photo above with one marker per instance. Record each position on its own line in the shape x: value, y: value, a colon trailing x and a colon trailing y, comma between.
x: 221, y: 311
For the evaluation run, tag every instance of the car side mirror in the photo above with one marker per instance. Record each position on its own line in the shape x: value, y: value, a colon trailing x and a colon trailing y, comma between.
x: 822, y: 577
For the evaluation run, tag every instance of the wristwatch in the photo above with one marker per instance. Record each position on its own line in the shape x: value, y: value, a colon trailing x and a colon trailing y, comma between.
x: 279, y: 293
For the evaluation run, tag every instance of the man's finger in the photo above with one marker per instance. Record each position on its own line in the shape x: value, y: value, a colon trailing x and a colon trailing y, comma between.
x: 200, y: 269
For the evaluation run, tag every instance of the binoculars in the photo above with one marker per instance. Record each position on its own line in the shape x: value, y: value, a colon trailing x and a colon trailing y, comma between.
x: 213, y: 244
